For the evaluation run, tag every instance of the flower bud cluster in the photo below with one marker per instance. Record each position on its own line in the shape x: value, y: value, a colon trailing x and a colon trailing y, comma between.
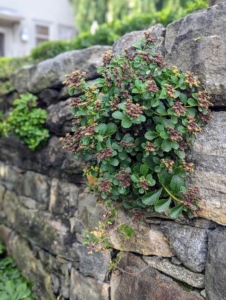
x: 179, y: 108
x: 134, y: 110
x: 152, y: 87
x: 144, y: 184
x: 191, y: 198
x: 104, y: 153
x: 89, y: 130
x: 114, y: 103
x: 175, y: 135
x: 159, y: 60
x: 183, y: 145
x: 124, y: 178
x: 75, y: 102
x: 76, y: 122
x: 206, y: 118
x: 190, y: 79
x: 203, y: 99
x: 146, y: 57
x: 97, y: 105
x: 107, y: 57
x: 74, y: 79
x: 168, y: 163
x: 104, y: 186
x: 192, y: 127
x: 175, y: 71
x: 126, y: 144
x: 125, y: 94
x: 149, y: 147
x: 170, y: 91
x: 188, y: 166
x: 148, y: 37
x: 71, y: 142
x: 137, y: 215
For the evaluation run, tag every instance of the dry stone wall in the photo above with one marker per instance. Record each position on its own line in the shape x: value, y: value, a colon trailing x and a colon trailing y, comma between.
x: 44, y: 209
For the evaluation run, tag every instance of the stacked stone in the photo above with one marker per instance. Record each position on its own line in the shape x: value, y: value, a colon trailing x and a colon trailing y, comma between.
x: 44, y: 210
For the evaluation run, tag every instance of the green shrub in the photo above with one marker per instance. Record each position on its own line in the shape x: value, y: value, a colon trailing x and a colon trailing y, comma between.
x: 4, y: 126
x: 50, y: 49
x: 194, y: 6
x: 26, y: 121
x: 9, y: 65
x: 5, y: 87
x: 108, y: 33
x: 13, y: 286
x: 134, y: 127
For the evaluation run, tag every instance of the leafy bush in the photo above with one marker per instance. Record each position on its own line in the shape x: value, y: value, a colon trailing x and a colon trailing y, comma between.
x: 13, y: 286
x: 50, y: 49
x: 134, y: 126
x: 6, y: 87
x: 4, y: 126
x: 26, y: 121
x: 108, y: 33
x: 9, y: 65
x: 194, y: 6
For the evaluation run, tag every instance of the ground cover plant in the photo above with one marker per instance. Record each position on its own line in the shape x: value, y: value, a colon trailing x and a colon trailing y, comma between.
x: 13, y: 286
x: 26, y: 121
x: 134, y: 126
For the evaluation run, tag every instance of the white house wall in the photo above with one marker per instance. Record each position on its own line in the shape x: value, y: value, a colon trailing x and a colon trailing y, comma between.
x: 51, y: 13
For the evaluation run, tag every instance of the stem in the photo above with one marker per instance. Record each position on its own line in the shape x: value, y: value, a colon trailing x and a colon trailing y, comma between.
x: 160, y: 114
x: 170, y: 194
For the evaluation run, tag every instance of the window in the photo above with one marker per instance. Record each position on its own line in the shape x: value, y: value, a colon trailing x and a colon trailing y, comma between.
x: 42, y: 33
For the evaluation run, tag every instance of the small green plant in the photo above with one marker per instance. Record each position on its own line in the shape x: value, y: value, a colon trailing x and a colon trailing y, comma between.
x: 134, y: 127
x: 13, y: 286
x: 4, y: 126
x: 26, y: 121
x: 6, y: 87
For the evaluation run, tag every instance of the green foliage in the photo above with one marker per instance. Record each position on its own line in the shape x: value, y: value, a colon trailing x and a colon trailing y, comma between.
x: 13, y: 286
x: 9, y: 65
x: 104, y: 11
x: 134, y: 126
x: 6, y: 87
x: 4, y: 126
x: 108, y: 33
x: 26, y: 121
x: 126, y: 231
x: 50, y: 49
x: 194, y: 5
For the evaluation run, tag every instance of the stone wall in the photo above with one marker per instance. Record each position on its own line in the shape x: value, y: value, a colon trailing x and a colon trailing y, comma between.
x: 44, y: 209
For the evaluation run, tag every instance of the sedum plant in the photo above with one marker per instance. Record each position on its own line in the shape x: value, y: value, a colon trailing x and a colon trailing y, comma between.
x: 26, y: 121
x: 134, y: 126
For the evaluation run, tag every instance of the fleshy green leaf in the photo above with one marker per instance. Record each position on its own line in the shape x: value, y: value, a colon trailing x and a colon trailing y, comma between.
x: 176, y: 183
x: 135, y: 178
x: 144, y: 169
x: 176, y: 211
x: 162, y: 205
x: 166, y: 145
x: 126, y: 123
x: 111, y: 128
x: 192, y: 102
x: 101, y: 128
x: 114, y: 162
x: 152, y: 197
x: 150, y: 135
x: 159, y: 128
x: 118, y: 115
